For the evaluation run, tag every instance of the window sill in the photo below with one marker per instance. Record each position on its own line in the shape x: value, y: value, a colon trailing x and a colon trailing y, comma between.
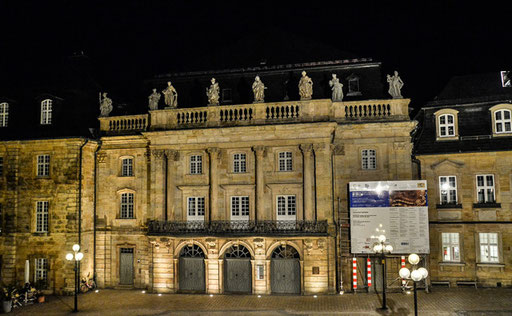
x: 452, y: 263
x: 502, y: 134
x: 448, y: 206
x: 132, y: 176
x: 490, y: 265
x: 43, y: 177
x: 41, y: 234
x: 447, y: 138
x: 487, y: 205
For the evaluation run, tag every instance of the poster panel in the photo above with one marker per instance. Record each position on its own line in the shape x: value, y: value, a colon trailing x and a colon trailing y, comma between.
x: 401, y: 207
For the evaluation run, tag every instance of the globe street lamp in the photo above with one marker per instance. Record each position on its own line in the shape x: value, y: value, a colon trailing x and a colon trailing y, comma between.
x: 416, y: 275
x: 77, y: 256
x: 382, y: 248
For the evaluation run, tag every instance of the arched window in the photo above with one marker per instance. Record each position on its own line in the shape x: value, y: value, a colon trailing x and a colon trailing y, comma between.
x: 4, y: 114
x: 46, y: 112
x: 446, y: 125
x: 502, y: 121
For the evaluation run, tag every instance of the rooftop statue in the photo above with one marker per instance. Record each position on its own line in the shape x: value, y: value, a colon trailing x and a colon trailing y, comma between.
x: 337, y: 89
x: 305, y: 87
x: 395, y: 85
x: 213, y: 93
x: 171, y: 96
x: 258, y: 88
x: 105, y: 105
x: 154, y: 98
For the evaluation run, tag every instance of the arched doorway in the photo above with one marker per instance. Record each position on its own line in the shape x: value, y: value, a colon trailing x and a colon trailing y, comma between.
x: 191, y: 267
x: 285, y: 270
x: 237, y: 270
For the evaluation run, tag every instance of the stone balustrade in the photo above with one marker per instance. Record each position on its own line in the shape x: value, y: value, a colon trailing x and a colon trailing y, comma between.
x: 260, y: 113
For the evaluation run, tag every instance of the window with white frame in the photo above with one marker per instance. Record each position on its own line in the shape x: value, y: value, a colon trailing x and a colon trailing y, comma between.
x: 43, y: 165
x: 239, y: 163
x: 127, y: 202
x: 451, y: 247
x: 4, y: 114
x: 285, y: 161
x: 42, y: 216
x: 485, y: 188
x: 448, y: 189
x: 46, y: 112
x: 196, y: 164
x: 195, y: 208
x: 368, y: 159
x: 503, y: 121
x: 286, y: 207
x: 446, y: 125
x: 239, y: 208
x: 489, y: 247
x: 127, y: 167
x: 41, y: 271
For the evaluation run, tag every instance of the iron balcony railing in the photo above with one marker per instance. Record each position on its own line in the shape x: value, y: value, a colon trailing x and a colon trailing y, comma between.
x: 237, y: 228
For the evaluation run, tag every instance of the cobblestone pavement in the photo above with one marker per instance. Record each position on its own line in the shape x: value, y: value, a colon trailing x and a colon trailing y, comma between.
x: 458, y: 302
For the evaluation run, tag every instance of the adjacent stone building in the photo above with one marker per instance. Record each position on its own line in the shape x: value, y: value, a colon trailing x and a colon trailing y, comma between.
x: 464, y: 146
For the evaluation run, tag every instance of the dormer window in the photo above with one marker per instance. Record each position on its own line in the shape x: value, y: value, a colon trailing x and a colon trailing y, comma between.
x: 501, y: 115
x: 4, y: 114
x: 46, y: 112
x: 353, y: 85
x: 447, y: 124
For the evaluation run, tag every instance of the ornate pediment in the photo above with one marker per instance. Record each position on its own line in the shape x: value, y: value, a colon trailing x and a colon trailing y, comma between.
x: 448, y: 163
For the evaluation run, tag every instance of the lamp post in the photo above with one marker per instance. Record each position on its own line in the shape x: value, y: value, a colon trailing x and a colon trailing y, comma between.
x: 382, y: 248
x: 416, y: 275
x: 77, y: 256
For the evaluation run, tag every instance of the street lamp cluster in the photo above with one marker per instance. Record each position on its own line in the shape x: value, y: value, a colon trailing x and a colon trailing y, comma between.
x: 383, y: 248
x: 77, y: 256
x: 416, y: 275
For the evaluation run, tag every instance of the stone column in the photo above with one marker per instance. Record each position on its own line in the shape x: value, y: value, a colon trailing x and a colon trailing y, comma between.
x: 323, y: 187
x: 307, y: 152
x: 172, y: 156
x: 214, y: 182
x: 157, y: 198
x: 259, y: 152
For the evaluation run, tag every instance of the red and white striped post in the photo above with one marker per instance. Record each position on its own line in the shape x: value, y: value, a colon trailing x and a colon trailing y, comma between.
x: 354, y: 273
x: 369, y: 270
x: 403, y: 266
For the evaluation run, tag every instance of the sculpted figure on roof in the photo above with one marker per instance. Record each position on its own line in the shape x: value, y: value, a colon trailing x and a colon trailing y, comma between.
x: 305, y: 87
x: 258, y: 88
x: 395, y: 85
x: 337, y: 89
x: 213, y: 93
x: 154, y: 98
x: 105, y: 105
x: 171, y: 96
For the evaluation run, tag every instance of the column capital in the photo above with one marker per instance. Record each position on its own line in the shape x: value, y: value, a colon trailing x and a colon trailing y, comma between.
x: 322, y: 148
x: 214, y: 152
x: 306, y: 148
x: 172, y: 154
x: 260, y: 150
x: 157, y: 153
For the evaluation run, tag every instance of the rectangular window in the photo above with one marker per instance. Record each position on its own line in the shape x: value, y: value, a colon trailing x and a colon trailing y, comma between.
x: 46, y: 112
x: 1, y: 166
x: 485, y: 188
x: 239, y: 163
x: 196, y: 208
x: 285, y: 161
x: 42, y: 216
x: 41, y: 272
x: 227, y: 95
x: 448, y: 189
x: 4, y: 114
x: 503, y: 121
x: 451, y: 248
x: 239, y: 208
x: 446, y: 125
x: 127, y: 205
x: 127, y: 167
x: 369, y: 159
x: 489, y: 247
x: 43, y: 165
x: 286, y: 207
x: 196, y: 164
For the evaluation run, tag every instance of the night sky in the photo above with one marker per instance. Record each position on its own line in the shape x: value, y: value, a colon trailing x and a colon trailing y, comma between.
x: 130, y: 41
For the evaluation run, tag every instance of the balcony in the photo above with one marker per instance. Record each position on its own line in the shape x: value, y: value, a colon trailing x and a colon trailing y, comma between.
x: 237, y: 228
x: 260, y: 114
